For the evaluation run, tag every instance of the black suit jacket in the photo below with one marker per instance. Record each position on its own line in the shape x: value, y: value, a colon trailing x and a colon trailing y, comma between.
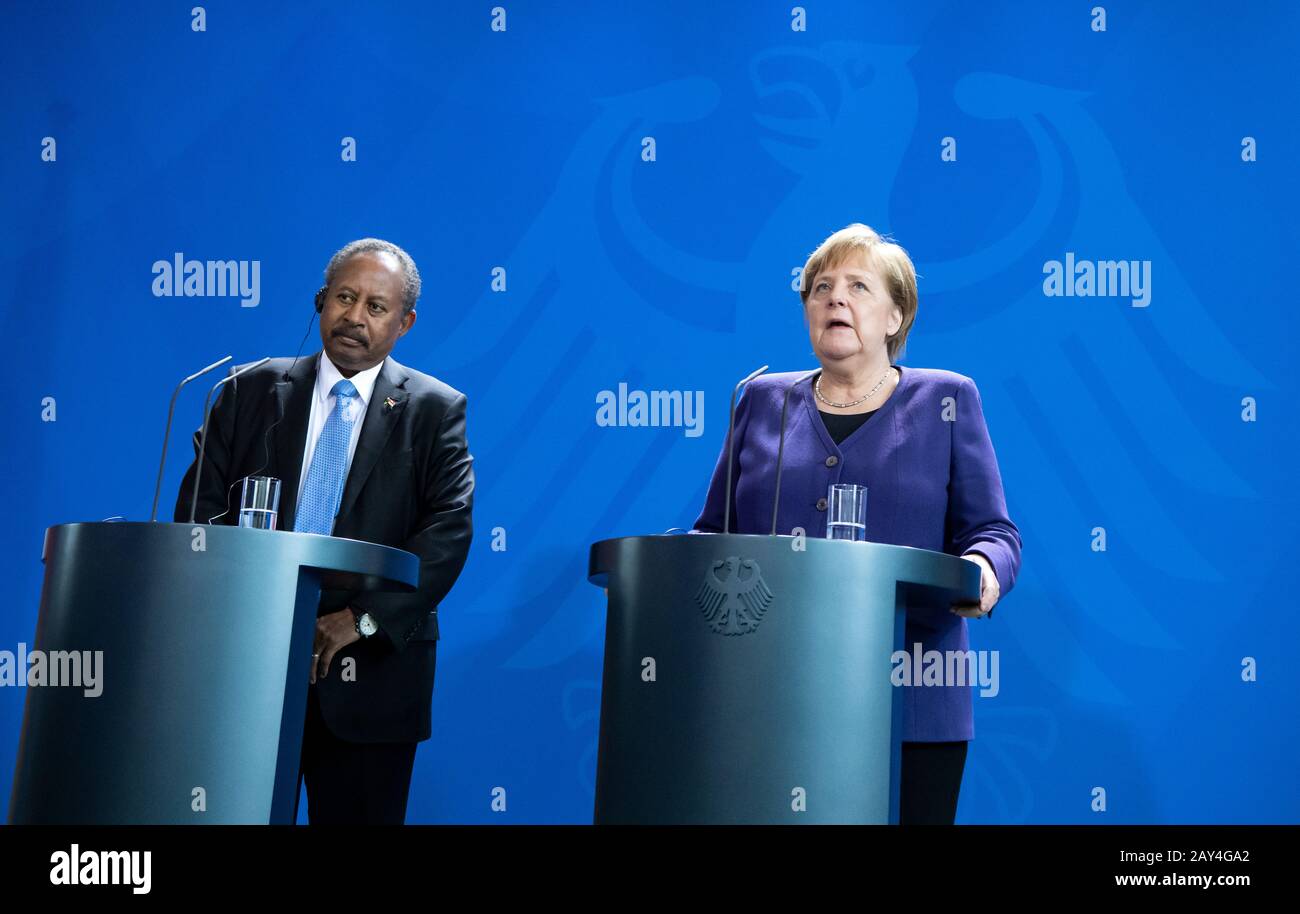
x: 410, y: 485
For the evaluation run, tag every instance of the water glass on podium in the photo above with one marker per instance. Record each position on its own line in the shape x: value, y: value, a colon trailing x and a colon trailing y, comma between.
x: 846, y: 512
x: 259, y: 506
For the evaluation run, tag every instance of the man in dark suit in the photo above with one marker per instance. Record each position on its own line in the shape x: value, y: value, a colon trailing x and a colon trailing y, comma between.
x: 365, y: 449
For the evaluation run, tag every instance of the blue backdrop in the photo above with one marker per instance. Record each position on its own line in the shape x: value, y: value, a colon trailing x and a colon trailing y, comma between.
x: 1167, y: 137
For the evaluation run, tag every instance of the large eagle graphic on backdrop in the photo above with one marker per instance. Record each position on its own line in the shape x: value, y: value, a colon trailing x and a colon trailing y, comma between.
x: 1092, y: 408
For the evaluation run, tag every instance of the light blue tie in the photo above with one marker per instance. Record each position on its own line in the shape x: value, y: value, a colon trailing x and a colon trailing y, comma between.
x: 329, y: 466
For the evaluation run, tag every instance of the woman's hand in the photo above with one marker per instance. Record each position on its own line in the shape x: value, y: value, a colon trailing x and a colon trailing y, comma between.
x: 990, y: 590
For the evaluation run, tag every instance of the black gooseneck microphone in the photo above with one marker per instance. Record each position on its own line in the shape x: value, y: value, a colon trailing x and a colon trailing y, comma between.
x: 731, y: 444
x: 167, y: 430
x: 780, y: 450
x: 203, y: 437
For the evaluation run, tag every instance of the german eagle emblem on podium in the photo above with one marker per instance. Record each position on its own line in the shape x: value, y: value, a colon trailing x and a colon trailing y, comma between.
x: 733, y: 596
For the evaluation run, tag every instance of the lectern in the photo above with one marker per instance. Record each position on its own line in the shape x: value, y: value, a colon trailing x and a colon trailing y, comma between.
x: 747, y: 678
x: 206, y: 637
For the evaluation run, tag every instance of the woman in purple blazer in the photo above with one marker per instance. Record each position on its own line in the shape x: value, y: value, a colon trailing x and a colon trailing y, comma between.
x: 916, y: 438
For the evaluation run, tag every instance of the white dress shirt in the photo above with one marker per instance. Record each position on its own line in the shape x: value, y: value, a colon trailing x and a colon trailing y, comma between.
x: 322, y: 404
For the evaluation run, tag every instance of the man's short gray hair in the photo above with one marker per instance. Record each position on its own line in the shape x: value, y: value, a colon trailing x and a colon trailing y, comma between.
x: 410, y: 275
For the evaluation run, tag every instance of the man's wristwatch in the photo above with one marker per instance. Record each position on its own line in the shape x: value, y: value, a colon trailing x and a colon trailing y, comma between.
x: 365, y: 624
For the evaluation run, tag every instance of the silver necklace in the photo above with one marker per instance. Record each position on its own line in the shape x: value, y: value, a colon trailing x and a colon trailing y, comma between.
x: 817, y: 388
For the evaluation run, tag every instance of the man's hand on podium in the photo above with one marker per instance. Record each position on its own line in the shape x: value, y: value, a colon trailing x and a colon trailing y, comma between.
x: 334, y: 632
x: 990, y: 590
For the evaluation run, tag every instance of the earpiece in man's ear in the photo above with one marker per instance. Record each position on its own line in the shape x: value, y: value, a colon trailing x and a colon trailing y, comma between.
x: 320, y: 299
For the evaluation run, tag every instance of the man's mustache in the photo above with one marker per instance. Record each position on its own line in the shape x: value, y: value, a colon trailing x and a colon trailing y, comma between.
x: 352, y: 335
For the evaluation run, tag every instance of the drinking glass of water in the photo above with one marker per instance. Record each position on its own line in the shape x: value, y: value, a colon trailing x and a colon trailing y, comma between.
x: 846, y: 512
x: 259, y: 506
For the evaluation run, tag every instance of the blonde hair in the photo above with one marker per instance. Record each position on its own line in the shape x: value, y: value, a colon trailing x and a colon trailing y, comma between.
x: 888, y: 259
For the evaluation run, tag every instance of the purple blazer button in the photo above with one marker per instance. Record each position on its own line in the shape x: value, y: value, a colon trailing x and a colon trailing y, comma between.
x: 821, y: 504
x: 832, y: 460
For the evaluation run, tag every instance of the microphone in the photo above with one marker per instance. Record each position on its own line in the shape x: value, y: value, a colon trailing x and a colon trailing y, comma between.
x: 171, y: 410
x: 731, y: 444
x: 780, y: 450
x: 203, y: 437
